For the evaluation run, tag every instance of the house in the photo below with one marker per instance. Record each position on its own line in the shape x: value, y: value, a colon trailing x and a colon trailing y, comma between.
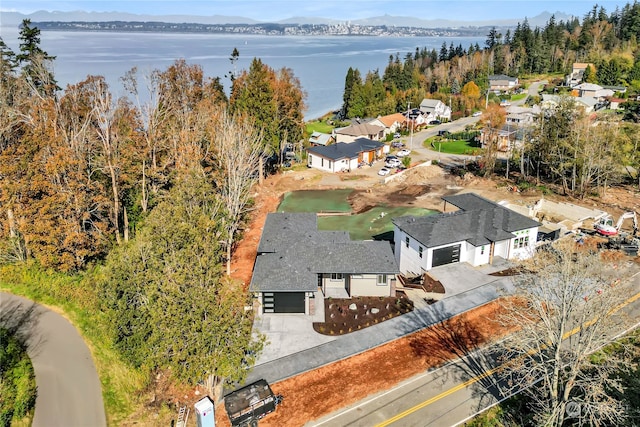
x: 476, y: 233
x: 319, y: 138
x: 592, y: 90
x: 577, y: 73
x: 392, y: 123
x: 358, y: 130
x: 434, y: 109
x: 501, y: 83
x: 343, y: 156
x: 522, y: 116
x: 588, y: 105
x: 297, y: 263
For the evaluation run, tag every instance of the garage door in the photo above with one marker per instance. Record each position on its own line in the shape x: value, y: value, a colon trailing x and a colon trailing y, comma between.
x: 446, y: 255
x: 283, y: 302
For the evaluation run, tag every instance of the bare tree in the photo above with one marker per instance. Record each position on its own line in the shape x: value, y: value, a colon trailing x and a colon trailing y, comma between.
x: 566, y: 311
x: 239, y: 149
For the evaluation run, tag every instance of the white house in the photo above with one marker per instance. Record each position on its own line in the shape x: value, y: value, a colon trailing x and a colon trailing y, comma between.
x: 476, y: 233
x: 436, y: 109
x: 344, y: 156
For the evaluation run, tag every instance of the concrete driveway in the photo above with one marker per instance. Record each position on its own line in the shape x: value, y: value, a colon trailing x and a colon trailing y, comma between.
x: 69, y: 390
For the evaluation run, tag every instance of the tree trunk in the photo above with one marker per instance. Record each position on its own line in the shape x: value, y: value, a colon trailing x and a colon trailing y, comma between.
x: 261, y: 174
x: 12, y: 223
x: 126, y: 225
x: 214, y: 386
x: 144, y: 203
x: 116, y: 201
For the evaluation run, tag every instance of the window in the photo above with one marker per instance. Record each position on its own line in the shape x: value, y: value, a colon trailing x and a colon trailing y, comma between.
x: 482, y: 250
x: 382, y: 279
x: 406, y: 241
x: 420, y: 250
x: 336, y: 276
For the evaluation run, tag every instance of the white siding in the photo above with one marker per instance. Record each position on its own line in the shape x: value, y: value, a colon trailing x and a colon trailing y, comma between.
x: 523, y: 246
x: 408, y: 258
x: 327, y: 165
x: 501, y: 249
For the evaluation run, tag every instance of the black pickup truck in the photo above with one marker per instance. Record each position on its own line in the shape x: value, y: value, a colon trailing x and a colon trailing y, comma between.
x: 248, y: 404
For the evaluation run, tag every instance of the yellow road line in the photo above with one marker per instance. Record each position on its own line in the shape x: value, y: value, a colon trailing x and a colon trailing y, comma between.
x: 483, y: 375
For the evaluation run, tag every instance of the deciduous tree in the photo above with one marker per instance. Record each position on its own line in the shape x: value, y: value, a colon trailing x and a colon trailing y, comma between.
x: 565, y: 311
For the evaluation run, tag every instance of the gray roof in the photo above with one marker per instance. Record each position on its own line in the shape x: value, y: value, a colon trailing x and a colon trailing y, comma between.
x: 292, y: 251
x: 320, y: 138
x: 345, y: 150
x: 360, y: 129
x: 479, y: 222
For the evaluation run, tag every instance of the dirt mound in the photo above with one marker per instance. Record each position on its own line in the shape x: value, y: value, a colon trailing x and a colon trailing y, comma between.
x: 420, y: 175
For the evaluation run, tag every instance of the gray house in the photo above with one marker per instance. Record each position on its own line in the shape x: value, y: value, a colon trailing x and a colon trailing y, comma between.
x: 296, y: 263
x: 476, y: 233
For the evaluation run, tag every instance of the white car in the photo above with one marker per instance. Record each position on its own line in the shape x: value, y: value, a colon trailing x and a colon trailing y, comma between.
x: 477, y: 114
x: 384, y: 171
x: 404, y: 152
x: 393, y: 163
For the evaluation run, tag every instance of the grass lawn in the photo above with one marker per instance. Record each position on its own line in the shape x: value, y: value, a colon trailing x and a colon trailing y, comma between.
x: 454, y: 147
x: 518, y: 96
x: 317, y: 126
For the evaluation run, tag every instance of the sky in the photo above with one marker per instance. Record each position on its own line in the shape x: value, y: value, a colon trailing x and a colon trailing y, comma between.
x: 275, y: 10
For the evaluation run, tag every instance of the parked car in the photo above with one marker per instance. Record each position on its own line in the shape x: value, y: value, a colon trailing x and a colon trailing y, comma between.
x: 434, y: 122
x: 397, y: 144
x: 443, y: 132
x: 404, y: 152
x: 390, y: 157
x: 393, y: 163
x: 477, y: 114
x: 384, y: 171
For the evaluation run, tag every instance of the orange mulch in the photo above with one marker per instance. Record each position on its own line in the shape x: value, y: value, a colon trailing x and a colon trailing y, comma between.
x: 316, y: 393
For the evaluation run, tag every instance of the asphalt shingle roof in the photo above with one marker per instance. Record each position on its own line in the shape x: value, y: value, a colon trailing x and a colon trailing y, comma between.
x: 360, y: 129
x: 479, y: 222
x: 292, y: 251
x: 345, y: 150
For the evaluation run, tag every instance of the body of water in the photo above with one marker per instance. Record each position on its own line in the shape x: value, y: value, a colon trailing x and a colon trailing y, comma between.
x: 321, y: 63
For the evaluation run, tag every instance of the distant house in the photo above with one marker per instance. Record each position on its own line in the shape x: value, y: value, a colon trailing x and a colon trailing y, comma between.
x: 392, y: 123
x: 476, y: 233
x: 434, y: 109
x: 358, y: 130
x: 319, y: 138
x: 297, y: 263
x: 501, y: 83
x: 588, y: 105
x: 577, y: 73
x: 592, y: 90
x: 521, y: 116
x: 344, y: 156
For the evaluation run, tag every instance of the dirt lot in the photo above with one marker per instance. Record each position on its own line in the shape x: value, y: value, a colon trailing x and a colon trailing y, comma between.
x: 313, y: 394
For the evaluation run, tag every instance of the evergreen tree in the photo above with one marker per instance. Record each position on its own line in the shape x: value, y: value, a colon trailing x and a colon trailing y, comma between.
x: 35, y: 61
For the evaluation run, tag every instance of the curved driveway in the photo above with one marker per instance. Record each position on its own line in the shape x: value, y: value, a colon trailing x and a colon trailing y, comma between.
x: 69, y: 391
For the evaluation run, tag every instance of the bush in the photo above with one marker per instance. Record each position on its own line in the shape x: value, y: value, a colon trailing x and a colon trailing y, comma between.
x: 17, y: 380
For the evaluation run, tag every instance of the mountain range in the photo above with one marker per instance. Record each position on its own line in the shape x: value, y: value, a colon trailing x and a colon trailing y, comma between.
x: 15, y: 18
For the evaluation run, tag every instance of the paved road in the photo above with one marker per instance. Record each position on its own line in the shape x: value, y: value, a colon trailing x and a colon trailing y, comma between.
x: 447, y: 396
x: 69, y: 391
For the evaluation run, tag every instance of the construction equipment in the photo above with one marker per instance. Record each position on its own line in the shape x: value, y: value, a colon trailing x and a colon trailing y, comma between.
x: 605, y: 225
